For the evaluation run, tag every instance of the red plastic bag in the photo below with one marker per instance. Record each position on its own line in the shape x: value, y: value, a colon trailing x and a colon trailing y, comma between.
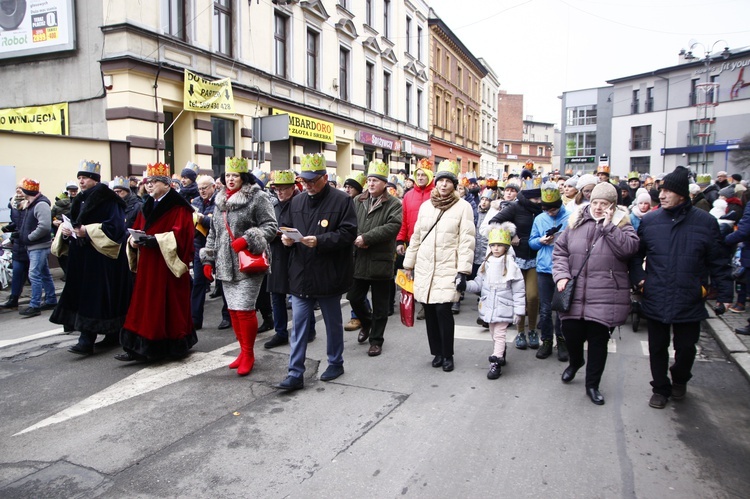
x: 407, y: 308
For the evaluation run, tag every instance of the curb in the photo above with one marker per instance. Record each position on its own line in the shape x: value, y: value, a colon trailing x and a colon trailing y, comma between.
x: 732, y: 346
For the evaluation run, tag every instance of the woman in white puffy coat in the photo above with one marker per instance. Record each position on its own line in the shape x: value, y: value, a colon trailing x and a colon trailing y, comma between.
x: 440, y: 254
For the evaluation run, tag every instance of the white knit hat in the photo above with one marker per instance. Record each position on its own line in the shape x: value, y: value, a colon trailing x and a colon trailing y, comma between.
x: 585, y: 180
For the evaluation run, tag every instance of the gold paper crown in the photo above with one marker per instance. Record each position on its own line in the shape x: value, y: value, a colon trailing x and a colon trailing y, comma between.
x: 157, y: 170
x: 492, y: 183
x: 313, y: 163
x: 378, y: 169
x: 603, y: 169
x: 121, y: 183
x: 30, y: 185
x: 449, y: 166
x: 358, y: 177
x: 90, y: 167
x: 634, y: 175
x: 284, y: 177
x: 235, y: 165
x: 499, y: 236
x: 550, y: 193
x: 703, y: 178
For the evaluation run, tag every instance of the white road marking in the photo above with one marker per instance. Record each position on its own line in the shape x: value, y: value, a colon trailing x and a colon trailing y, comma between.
x: 146, y: 380
x: 479, y: 333
x: 698, y: 358
x: 43, y: 334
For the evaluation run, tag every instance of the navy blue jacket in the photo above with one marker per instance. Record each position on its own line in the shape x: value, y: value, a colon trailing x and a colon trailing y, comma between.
x: 327, y: 269
x: 679, y: 245
x: 742, y: 235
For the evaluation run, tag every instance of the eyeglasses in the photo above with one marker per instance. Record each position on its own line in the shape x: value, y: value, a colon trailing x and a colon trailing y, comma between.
x: 205, y: 187
x: 311, y: 182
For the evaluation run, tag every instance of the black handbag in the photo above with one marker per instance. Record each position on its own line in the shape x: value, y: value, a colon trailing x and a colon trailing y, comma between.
x: 561, y: 300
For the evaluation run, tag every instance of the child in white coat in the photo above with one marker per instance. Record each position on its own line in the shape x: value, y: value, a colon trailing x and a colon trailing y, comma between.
x: 503, y: 294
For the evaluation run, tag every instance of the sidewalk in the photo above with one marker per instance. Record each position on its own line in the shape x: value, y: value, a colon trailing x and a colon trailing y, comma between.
x: 735, y: 346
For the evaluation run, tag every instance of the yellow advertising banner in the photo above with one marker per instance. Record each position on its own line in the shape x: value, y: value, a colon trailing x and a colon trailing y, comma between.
x: 51, y: 119
x: 309, y: 128
x: 207, y: 96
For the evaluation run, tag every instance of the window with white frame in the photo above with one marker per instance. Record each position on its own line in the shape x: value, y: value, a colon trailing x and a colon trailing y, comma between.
x: 387, y: 18
x: 408, y: 35
x: 313, y: 40
x: 419, y: 43
x: 419, y: 108
x: 344, y: 73
x: 369, y: 85
x: 408, y: 102
x: 280, y: 44
x: 386, y: 93
x: 368, y: 12
x: 580, y: 144
x: 222, y: 24
x: 174, y: 18
x: 581, y: 115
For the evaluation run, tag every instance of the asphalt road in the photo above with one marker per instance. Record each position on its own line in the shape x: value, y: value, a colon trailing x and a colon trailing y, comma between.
x: 390, y: 426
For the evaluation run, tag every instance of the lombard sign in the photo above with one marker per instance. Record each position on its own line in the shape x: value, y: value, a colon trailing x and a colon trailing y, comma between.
x: 32, y: 27
x: 51, y: 119
x: 306, y: 127
x: 377, y: 141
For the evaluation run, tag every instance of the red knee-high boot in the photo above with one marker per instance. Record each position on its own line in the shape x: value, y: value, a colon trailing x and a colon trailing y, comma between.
x: 236, y: 327
x: 247, y: 332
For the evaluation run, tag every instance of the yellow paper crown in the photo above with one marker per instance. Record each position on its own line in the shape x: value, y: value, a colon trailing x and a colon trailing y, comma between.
x: 235, y: 165
x: 499, y: 236
x: 449, y: 166
x: 703, y: 178
x: 90, y: 167
x: 550, y: 193
x: 121, y: 183
x: 634, y: 175
x: 157, y: 170
x: 30, y: 185
x: 284, y: 177
x: 358, y: 177
x: 378, y: 169
x: 313, y: 163
x: 603, y: 169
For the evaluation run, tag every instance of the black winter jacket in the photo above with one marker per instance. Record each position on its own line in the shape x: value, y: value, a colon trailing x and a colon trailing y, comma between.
x: 679, y: 245
x: 277, y: 280
x: 522, y: 213
x: 327, y: 269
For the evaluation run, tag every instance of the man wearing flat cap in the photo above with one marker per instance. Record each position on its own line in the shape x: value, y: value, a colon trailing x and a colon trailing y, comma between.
x: 98, y: 286
x: 679, y: 242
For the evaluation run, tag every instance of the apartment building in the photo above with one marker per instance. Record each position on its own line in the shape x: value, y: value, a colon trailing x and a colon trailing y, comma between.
x: 488, y: 164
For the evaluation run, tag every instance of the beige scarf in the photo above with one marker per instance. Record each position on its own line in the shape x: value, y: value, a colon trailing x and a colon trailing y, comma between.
x: 443, y: 203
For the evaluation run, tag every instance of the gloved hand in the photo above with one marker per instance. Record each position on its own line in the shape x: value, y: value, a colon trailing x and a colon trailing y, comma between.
x: 208, y: 271
x: 460, y: 282
x: 10, y: 227
x: 719, y: 309
x: 239, y: 244
x: 149, y: 242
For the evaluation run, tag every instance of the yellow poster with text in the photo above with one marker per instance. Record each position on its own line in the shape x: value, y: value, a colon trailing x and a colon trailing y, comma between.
x: 207, y: 96
x: 309, y: 128
x: 52, y: 119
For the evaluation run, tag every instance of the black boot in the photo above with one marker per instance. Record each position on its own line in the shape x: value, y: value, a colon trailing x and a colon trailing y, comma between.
x: 267, y: 324
x: 11, y: 304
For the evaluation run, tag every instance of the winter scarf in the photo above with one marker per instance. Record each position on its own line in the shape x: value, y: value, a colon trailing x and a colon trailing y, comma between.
x: 443, y: 203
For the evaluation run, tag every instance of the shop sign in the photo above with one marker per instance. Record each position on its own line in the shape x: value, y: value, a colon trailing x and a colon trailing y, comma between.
x: 51, y: 119
x: 306, y: 127
x: 377, y: 141
x: 410, y: 147
x: 581, y: 159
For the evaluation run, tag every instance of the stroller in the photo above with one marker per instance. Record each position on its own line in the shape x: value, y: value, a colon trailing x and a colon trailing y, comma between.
x: 6, y: 262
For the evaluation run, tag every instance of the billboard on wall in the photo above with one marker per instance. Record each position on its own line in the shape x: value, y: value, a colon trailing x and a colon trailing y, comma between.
x: 32, y: 27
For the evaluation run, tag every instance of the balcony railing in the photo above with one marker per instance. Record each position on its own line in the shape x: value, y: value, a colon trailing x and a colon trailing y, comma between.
x: 649, y: 105
x: 640, y: 144
x: 634, y: 106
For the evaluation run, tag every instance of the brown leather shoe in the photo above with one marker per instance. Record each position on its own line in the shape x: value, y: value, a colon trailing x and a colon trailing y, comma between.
x: 353, y: 325
x: 364, y: 333
x: 374, y: 350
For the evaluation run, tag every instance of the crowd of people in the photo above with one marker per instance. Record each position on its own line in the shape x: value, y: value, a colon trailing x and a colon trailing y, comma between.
x: 519, y: 243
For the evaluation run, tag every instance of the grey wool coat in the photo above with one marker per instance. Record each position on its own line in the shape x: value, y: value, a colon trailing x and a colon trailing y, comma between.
x: 602, y: 290
x: 250, y: 214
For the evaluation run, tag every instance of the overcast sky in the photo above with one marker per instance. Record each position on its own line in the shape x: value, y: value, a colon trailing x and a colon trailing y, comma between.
x: 540, y: 48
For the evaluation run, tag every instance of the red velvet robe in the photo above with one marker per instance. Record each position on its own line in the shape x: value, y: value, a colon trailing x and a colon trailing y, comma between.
x: 159, y: 323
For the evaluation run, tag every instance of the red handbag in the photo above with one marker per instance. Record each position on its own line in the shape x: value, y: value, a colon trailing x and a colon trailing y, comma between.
x: 249, y: 263
x: 407, y: 308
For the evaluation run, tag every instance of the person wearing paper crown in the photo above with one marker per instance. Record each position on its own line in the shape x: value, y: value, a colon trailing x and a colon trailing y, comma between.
x: 410, y: 204
x: 544, y: 232
x: 17, y: 208
x: 159, y: 323
x: 188, y: 187
x: 355, y: 183
x: 600, y: 231
x: 243, y: 220
x: 35, y: 234
x: 321, y: 266
x: 98, y: 287
x: 284, y: 184
x: 378, y: 223
x: 440, y: 256
x: 133, y: 204
x: 503, y: 296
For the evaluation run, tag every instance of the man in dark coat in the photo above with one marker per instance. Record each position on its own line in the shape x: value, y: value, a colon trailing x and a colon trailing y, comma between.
x: 17, y: 207
x: 97, y: 291
x: 522, y: 213
x: 133, y: 204
x: 159, y: 323
x: 188, y: 187
x: 204, y: 212
x: 378, y: 223
x: 321, y: 266
x: 679, y: 241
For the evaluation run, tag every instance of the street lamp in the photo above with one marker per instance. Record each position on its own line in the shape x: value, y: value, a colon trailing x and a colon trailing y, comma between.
x: 707, y: 96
